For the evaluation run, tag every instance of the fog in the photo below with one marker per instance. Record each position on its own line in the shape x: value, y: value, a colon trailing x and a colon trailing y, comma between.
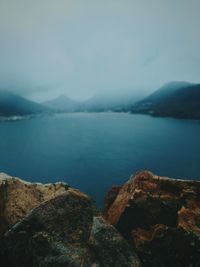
x: 83, y: 48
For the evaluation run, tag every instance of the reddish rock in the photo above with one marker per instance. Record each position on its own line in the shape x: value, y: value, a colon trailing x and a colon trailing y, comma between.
x: 161, y: 218
x: 64, y: 230
x: 111, y: 196
x: 18, y: 198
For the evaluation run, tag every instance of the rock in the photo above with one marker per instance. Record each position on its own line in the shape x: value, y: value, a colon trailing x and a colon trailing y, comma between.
x: 110, y: 248
x: 65, y: 231
x: 18, y: 198
x: 161, y: 218
x: 111, y: 196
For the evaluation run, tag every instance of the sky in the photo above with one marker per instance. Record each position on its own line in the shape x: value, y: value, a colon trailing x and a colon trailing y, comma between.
x: 81, y: 48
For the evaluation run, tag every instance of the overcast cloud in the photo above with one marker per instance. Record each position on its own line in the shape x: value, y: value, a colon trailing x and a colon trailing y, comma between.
x: 83, y: 47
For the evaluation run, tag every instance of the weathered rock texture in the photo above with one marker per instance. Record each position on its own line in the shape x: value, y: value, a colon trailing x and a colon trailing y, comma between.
x: 54, y: 225
x: 111, y: 196
x: 64, y: 231
x: 160, y: 217
x: 18, y: 197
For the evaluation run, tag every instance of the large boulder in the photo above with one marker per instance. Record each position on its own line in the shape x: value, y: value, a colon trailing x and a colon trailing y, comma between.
x: 18, y: 198
x: 109, y: 247
x: 160, y: 217
x: 65, y: 231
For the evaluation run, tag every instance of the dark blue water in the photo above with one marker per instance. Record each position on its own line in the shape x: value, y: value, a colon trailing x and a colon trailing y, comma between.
x: 93, y: 151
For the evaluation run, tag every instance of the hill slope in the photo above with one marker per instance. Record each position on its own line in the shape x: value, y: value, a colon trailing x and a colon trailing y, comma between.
x: 111, y: 101
x: 12, y: 105
x: 105, y: 101
x: 179, y: 100
x: 63, y: 104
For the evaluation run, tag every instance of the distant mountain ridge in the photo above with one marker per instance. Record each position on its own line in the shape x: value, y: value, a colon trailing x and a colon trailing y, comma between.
x: 176, y: 99
x: 15, y: 105
x: 63, y: 104
x: 99, y: 103
x: 166, y: 90
x: 110, y: 102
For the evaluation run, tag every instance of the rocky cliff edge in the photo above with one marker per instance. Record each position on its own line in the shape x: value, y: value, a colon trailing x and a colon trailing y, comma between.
x: 150, y: 221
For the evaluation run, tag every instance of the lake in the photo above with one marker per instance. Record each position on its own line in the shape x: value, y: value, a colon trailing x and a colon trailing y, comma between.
x: 94, y: 151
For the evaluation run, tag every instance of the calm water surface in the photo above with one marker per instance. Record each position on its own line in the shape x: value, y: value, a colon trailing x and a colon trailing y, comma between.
x: 94, y: 151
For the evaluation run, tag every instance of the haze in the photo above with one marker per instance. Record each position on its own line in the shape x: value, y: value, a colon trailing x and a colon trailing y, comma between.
x: 84, y: 48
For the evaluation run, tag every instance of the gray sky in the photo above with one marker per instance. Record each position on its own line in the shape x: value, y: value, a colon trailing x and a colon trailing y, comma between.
x: 83, y: 47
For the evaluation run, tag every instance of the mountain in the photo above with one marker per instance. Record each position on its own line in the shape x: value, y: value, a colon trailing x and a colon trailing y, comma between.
x: 112, y: 101
x: 166, y: 90
x: 63, y: 104
x: 105, y: 101
x: 12, y: 105
x: 177, y: 99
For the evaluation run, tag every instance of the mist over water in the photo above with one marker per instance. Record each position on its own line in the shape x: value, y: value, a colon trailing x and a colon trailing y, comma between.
x: 81, y: 48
